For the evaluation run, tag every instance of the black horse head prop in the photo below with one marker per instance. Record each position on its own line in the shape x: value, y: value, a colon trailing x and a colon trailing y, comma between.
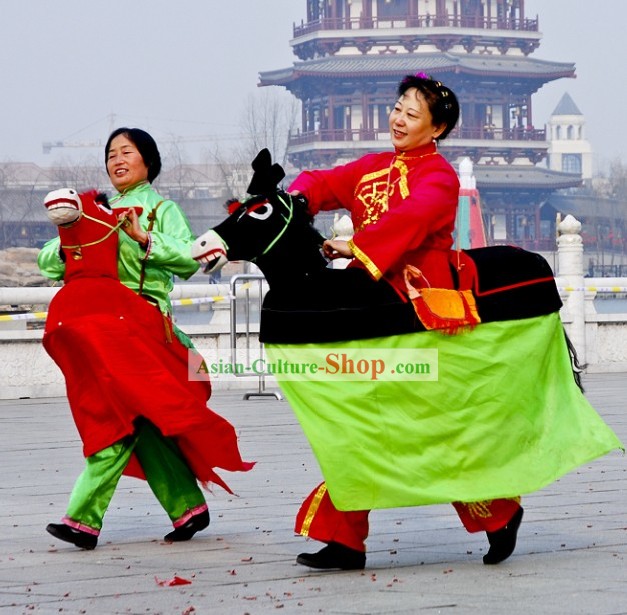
x: 270, y: 228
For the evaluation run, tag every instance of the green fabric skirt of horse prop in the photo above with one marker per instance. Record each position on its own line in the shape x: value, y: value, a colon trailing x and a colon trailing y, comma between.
x: 490, y: 413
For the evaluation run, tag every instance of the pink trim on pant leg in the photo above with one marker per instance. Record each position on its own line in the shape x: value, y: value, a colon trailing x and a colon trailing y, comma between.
x: 189, y: 514
x: 79, y: 526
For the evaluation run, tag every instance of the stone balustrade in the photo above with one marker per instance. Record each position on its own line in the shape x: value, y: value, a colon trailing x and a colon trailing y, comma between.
x: 26, y: 371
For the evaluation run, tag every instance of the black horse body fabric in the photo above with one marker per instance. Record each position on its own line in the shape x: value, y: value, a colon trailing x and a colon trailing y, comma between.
x: 334, y: 305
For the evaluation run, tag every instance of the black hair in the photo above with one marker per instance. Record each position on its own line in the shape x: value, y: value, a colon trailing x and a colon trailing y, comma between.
x: 442, y: 102
x: 146, y: 146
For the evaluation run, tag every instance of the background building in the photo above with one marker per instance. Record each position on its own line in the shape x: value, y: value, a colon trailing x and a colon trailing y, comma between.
x: 569, y: 150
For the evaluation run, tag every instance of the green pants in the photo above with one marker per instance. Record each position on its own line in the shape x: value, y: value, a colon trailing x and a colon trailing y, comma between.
x: 166, y: 470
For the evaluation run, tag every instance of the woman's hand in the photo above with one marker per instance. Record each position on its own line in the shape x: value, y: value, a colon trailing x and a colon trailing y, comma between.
x: 132, y: 227
x: 331, y: 248
x: 336, y: 248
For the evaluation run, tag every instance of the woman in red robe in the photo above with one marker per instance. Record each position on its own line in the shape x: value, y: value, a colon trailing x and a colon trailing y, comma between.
x: 403, y: 205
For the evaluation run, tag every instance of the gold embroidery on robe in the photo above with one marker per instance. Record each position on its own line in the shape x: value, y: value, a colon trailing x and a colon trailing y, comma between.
x: 374, y: 192
x: 479, y: 510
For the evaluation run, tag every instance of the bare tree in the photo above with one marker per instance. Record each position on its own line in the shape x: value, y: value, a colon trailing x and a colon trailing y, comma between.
x: 618, y: 180
x: 88, y: 173
x: 21, y: 203
x: 268, y: 118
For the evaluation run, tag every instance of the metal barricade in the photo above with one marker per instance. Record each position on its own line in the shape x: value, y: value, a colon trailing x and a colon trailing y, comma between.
x: 252, y: 345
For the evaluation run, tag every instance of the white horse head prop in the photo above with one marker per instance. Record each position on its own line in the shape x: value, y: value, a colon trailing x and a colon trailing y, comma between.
x: 63, y: 206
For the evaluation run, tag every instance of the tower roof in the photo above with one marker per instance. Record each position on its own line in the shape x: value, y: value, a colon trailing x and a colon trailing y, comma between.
x: 517, y: 176
x: 438, y: 63
x: 566, y: 106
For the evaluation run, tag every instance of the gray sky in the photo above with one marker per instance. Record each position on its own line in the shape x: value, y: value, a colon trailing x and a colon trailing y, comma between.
x: 187, y: 68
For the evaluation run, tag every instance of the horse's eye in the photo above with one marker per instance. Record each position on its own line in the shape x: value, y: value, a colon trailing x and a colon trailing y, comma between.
x: 261, y: 212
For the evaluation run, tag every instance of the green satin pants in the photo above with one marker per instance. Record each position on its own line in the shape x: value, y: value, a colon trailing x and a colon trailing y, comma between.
x: 166, y: 470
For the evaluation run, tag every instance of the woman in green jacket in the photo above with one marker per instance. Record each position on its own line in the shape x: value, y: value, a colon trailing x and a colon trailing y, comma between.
x: 152, y: 249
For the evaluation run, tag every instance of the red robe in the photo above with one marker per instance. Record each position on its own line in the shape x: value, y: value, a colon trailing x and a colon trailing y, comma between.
x: 403, y: 210
x: 121, y: 360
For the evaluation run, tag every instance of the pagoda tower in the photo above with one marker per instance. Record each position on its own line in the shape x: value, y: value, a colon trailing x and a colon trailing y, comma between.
x: 352, y: 55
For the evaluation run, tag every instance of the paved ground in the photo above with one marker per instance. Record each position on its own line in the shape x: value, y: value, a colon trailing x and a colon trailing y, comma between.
x: 571, y: 556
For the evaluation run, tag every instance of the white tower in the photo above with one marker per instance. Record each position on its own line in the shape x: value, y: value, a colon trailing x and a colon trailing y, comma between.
x: 569, y: 150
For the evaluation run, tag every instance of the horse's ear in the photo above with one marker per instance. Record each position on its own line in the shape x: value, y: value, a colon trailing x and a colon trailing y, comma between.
x: 266, y: 176
x: 101, y: 199
x: 262, y: 161
x: 277, y: 174
x: 262, y: 164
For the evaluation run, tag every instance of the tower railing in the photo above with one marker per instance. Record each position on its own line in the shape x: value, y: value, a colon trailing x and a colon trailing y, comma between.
x: 518, y: 133
x: 415, y: 21
x: 463, y: 132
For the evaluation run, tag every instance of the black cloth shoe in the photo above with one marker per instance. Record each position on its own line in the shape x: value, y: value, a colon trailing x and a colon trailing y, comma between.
x: 334, y: 555
x: 81, y: 539
x: 503, y: 541
x: 187, y: 530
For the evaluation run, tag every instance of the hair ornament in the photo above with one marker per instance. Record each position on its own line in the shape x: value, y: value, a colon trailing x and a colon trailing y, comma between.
x: 422, y: 75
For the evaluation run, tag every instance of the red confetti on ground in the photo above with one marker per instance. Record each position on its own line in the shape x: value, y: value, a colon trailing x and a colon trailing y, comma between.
x: 173, y: 581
